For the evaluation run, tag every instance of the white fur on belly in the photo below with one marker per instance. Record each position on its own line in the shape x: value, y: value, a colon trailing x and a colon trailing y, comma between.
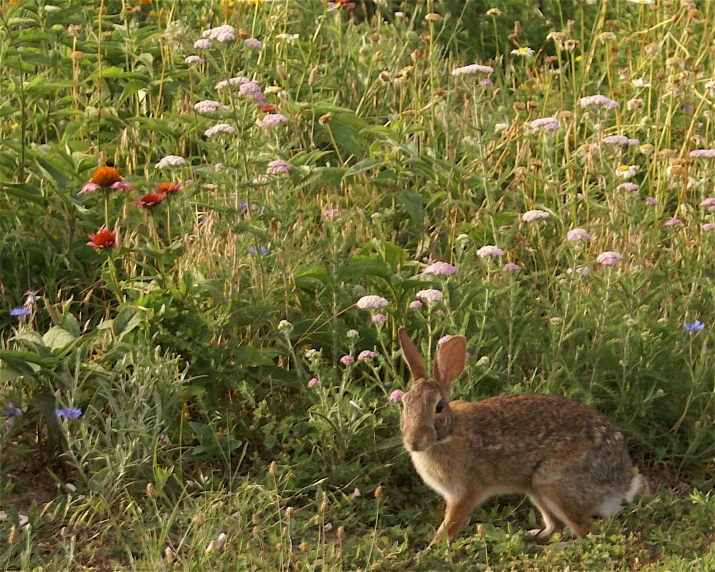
x: 435, y: 477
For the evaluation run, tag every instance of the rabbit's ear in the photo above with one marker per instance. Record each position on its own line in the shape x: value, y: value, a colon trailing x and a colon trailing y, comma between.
x: 450, y: 361
x: 411, y: 356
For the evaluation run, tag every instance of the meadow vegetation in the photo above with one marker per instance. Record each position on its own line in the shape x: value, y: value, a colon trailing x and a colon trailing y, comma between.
x: 215, y: 215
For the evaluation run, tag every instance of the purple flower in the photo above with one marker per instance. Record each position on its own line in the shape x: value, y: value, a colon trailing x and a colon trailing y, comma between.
x: 709, y: 202
x: 651, y: 201
x: 706, y: 153
x: 347, y: 360
x: 365, y: 355
x: 262, y: 250
x: 415, y: 304
x: 271, y: 120
x: 632, y: 187
x: 277, y: 167
x: 511, y: 267
x: 486, y: 82
x: 545, y: 124
x: 708, y: 226
x: 620, y: 140
x: 371, y: 303
x: 332, y: 214
x: 673, y: 222
x: 69, y: 413
x: 219, y: 128
x: 11, y: 410
x: 489, y: 250
x: 252, y: 43
x: 440, y: 269
x: 20, y: 312
x: 379, y: 319
x: 396, y: 396
x: 696, y: 326
x: 576, y: 234
x: 609, y: 258
x: 312, y: 382
x: 430, y: 295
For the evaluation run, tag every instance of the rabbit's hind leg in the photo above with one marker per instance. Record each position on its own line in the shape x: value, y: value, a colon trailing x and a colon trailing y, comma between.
x: 552, y: 523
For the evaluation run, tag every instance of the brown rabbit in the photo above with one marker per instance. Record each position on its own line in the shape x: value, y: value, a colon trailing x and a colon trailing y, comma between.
x: 569, y: 459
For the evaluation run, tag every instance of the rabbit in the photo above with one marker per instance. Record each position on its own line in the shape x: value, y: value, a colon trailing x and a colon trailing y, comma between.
x: 570, y: 460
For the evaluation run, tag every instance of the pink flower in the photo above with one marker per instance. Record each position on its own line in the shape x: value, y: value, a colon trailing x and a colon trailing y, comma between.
x: 609, y: 258
x: 332, y: 214
x: 576, y: 234
x: 673, y: 222
x: 583, y: 271
x: 277, y: 167
x: 511, y: 267
x: 472, y: 69
x: 415, y: 304
x: 440, y: 269
x: 705, y: 153
x: 312, y: 382
x: 632, y: 187
x: 271, y: 120
x: 379, y: 319
x: 372, y: 302
x: 443, y: 339
x: 347, y: 360
x: 252, y: 43
x: 599, y: 100
x: 651, y: 201
x: 365, y: 355
x: 489, y: 250
x: 709, y: 202
x: 545, y: 124
x: 620, y: 140
x: 396, y: 396
x: 708, y: 226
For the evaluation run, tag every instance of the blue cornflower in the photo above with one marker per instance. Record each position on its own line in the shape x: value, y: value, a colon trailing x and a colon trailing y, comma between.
x: 20, y: 312
x: 261, y: 249
x: 69, y: 413
x: 696, y: 326
x: 12, y: 411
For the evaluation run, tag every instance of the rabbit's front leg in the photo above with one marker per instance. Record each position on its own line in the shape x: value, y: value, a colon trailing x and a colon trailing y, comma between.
x: 455, y: 514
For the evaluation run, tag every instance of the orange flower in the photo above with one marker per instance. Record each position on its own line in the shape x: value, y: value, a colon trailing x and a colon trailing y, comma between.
x: 105, y: 178
x: 151, y: 200
x: 102, y: 239
x: 167, y: 188
x: 268, y: 108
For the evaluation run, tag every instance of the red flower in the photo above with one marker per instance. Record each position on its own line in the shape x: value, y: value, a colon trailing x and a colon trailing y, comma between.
x: 105, y: 178
x: 268, y: 108
x: 167, y: 188
x: 102, y: 239
x: 151, y: 199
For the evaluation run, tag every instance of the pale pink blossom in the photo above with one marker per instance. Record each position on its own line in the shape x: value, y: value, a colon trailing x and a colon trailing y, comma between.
x: 471, y: 69
x: 430, y: 295
x: 371, y: 302
x: 609, y: 258
x: 203, y: 44
x: 415, y: 304
x: 599, y: 101
x: 252, y: 43
x: 576, y: 234
x: 379, y: 319
x: 219, y: 128
x: 171, y: 161
x: 347, y: 360
x: 396, y: 396
x: 312, y: 382
x: 193, y: 60
x: 534, y: 215
x: 704, y: 153
x: 511, y: 267
x: 440, y: 269
x: 366, y: 355
x: 271, y: 120
x: 277, y: 167
x: 489, y: 250
x: 673, y: 222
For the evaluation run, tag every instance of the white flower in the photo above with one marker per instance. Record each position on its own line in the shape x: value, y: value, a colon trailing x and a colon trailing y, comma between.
x: 171, y: 161
x: 534, y: 215
x: 221, y: 34
x: 372, y: 302
x: 288, y: 38
x: 489, y: 250
x: 626, y: 171
x: 576, y: 234
x: 523, y: 52
x: 233, y: 82
x: 217, y: 544
x: 203, y: 44
x: 430, y: 295
x: 207, y: 106
x: 639, y: 82
x: 219, y: 128
x: 193, y: 60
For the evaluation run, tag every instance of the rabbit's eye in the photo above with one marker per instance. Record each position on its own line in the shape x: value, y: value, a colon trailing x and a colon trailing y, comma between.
x: 439, y: 407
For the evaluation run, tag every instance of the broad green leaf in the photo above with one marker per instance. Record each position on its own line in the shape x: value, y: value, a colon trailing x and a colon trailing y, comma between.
x: 363, y: 268
x: 413, y: 205
x: 57, y: 338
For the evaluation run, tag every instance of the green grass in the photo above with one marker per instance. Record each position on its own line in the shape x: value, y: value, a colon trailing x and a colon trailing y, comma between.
x: 190, y: 342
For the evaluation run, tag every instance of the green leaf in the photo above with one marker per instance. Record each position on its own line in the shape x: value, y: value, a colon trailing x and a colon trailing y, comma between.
x: 413, y: 205
x: 127, y: 319
x: 364, y: 165
x: 31, y: 357
x: 8, y: 373
x: 363, y: 268
x: 57, y: 338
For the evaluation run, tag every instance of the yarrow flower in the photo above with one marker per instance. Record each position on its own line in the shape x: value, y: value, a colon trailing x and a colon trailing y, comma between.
x: 68, y: 413
x: 221, y: 34
x: 621, y: 140
x: 253, y: 90
x: 709, y: 202
x: 312, y: 382
x: 576, y: 234
x: 609, y: 258
x: 102, y: 239
x: 252, y: 43
x: 544, y: 124
x: 429, y: 296
x: 673, y: 222
x: 371, y: 302
x: 206, y: 107
x: 171, y: 161
x: 631, y: 187
x: 696, y: 326
x: 288, y: 38
x: 277, y: 167
x: 472, y: 69
x: 202, y: 44
x: 232, y: 82
x: 415, y: 304
x: 581, y: 272
x: 708, y: 226
x: 489, y: 250
x: 271, y: 120
x: 219, y: 128
x: 104, y: 178
x: 379, y: 319
x: 511, y: 267
x: 365, y: 355
x: 599, y: 101
x: 332, y: 214
x: 440, y: 269
x: 347, y: 360
x: 396, y: 396
x: 651, y: 201
x: 534, y: 215
x: 193, y: 60
x: 702, y: 153
x: 20, y: 312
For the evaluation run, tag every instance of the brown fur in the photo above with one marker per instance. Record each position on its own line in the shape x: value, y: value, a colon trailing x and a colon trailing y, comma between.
x: 569, y: 459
